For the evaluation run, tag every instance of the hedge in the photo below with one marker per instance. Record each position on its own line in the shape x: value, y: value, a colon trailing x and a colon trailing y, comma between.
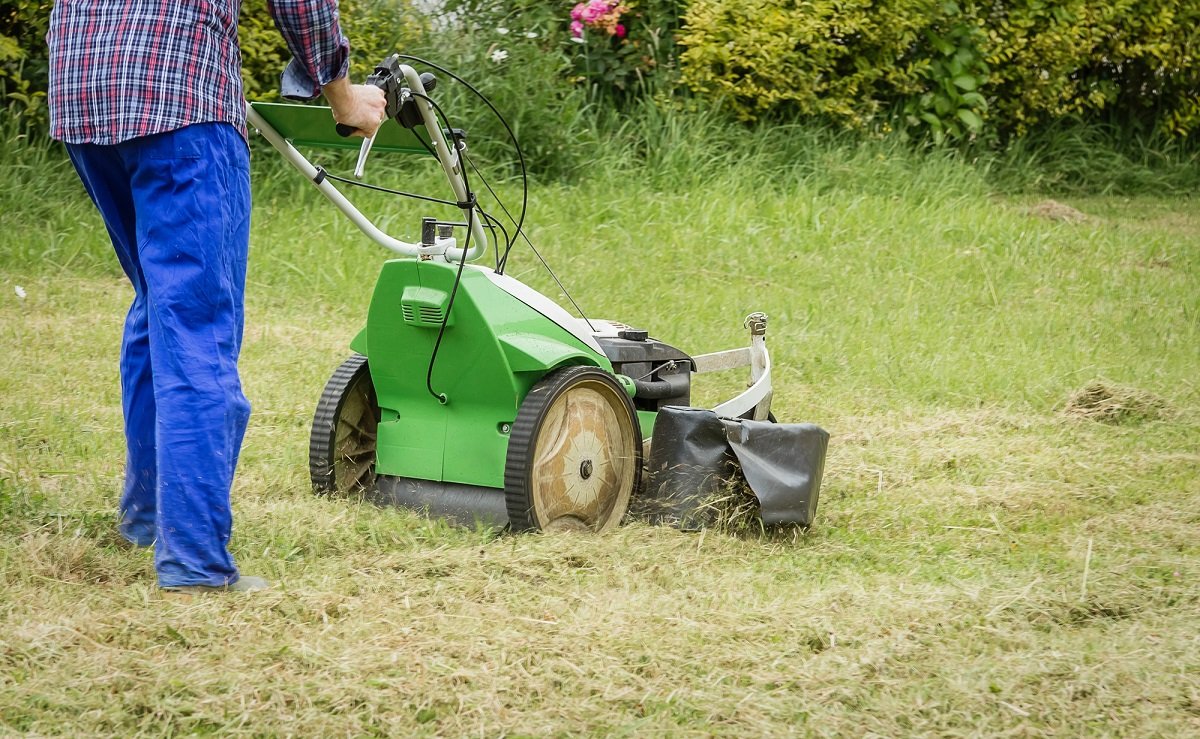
x: 991, y: 68
x: 859, y: 62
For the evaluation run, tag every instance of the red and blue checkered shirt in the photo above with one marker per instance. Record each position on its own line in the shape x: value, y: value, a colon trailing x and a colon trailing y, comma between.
x: 120, y: 69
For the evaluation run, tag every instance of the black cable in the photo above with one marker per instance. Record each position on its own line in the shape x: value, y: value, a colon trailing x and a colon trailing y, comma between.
x: 470, y: 205
x: 490, y: 221
x: 377, y: 188
x: 462, y: 261
x: 494, y: 224
x: 455, y: 139
x: 512, y: 136
x: 531, y: 246
x: 425, y: 144
x: 507, y: 244
x: 558, y: 282
x: 462, y: 156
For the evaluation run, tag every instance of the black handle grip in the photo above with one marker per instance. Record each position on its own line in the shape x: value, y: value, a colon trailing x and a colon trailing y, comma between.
x: 344, y: 130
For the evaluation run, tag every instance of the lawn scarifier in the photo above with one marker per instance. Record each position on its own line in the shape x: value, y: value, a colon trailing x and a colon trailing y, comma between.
x: 470, y: 395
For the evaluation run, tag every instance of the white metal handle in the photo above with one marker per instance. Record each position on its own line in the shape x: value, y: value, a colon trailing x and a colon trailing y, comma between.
x: 450, y: 159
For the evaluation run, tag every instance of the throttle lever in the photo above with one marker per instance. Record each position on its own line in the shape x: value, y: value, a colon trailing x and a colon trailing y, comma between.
x: 400, y: 104
x: 363, y: 151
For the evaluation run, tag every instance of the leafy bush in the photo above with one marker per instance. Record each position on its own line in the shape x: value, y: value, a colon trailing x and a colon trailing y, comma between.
x: 958, y: 68
x: 951, y: 104
x: 988, y: 70
x: 827, y: 58
x: 24, y: 58
x: 1134, y: 63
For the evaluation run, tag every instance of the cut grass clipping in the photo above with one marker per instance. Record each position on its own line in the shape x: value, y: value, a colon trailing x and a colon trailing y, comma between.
x: 1110, y: 403
x: 734, y: 509
x: 725, y: 504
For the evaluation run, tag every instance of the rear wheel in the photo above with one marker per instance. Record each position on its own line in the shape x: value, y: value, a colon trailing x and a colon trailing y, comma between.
x: 574, y: 454
x: 341, y: 449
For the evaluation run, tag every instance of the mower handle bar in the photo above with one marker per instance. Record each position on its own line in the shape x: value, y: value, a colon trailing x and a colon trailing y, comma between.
x: 450, y: 159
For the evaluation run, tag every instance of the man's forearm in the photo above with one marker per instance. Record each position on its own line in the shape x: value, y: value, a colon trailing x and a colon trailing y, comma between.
x: 338, y: 93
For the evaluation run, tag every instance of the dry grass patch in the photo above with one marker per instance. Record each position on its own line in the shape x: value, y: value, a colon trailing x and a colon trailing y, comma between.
x: 1052, y: 210
x: 1108, y: 402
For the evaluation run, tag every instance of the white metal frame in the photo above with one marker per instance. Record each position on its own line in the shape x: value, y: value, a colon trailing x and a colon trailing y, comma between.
x: 451, y: 161
x: 755, y: 401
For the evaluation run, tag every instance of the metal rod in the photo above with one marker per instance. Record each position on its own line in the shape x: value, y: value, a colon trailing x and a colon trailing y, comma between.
x: 297, y: 160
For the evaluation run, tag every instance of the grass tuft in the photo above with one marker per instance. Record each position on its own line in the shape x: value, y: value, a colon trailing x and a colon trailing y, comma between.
x: 1107, y: 402
x: 1052, y: 210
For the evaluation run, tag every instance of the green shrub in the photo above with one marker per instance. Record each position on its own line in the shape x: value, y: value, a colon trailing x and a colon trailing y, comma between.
x: 1132, y: 63
x: 840, y: 60
x: 24, y: 59
x: 994, y: 66
x: 982, y: 70
x: 951, y: 104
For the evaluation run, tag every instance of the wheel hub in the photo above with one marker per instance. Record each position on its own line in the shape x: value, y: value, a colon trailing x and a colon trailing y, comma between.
x: 575, y: 453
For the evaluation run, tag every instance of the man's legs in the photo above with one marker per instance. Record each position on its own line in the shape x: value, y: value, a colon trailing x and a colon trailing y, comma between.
x: 102, y: 170
x: 191, y: 201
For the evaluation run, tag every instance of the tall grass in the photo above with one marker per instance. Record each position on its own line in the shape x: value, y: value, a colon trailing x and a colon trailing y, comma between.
x: 1096, y: 159
x: 42, y: 204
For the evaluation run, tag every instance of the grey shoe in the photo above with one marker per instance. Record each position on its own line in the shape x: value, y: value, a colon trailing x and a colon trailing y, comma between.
x: 245, y: 584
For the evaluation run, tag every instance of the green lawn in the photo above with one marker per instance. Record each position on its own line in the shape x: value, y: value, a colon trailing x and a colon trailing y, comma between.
x: 984, y: 562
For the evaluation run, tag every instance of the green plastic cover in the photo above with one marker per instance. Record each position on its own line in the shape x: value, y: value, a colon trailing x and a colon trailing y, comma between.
x: 312, y: 125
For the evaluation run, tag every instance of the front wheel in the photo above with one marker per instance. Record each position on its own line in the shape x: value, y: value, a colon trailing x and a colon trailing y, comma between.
x: 574, y: 454
x: 341, y: 449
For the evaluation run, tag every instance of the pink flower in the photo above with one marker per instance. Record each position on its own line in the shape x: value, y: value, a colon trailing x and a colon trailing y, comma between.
x: 594, y: 11
x: 599, y: 15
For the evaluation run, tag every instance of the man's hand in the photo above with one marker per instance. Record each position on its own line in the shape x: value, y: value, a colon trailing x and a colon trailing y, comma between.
x: 361, y: 107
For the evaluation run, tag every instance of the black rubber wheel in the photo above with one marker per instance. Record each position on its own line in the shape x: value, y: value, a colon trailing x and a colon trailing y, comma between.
x: 574, y: 454
x: 341, y: 449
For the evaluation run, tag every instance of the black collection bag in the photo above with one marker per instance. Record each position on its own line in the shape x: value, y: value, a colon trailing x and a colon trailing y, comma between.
x: 695, y: 455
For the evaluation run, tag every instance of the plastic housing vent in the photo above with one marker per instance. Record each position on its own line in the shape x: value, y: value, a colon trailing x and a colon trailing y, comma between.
x: 422, y: 306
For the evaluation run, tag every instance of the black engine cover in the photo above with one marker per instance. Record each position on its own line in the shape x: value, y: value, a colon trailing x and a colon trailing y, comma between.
x: 662, y: 373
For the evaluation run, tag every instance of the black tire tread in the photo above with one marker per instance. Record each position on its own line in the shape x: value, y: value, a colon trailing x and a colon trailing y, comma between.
x: 522, y: 436
x: 324, y: 425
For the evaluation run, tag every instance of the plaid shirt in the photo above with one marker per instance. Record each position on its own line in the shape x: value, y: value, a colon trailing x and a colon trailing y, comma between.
x: 120, y: 69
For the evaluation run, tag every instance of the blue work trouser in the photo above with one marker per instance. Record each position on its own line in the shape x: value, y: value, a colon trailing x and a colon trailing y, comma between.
x: 177, y: 207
